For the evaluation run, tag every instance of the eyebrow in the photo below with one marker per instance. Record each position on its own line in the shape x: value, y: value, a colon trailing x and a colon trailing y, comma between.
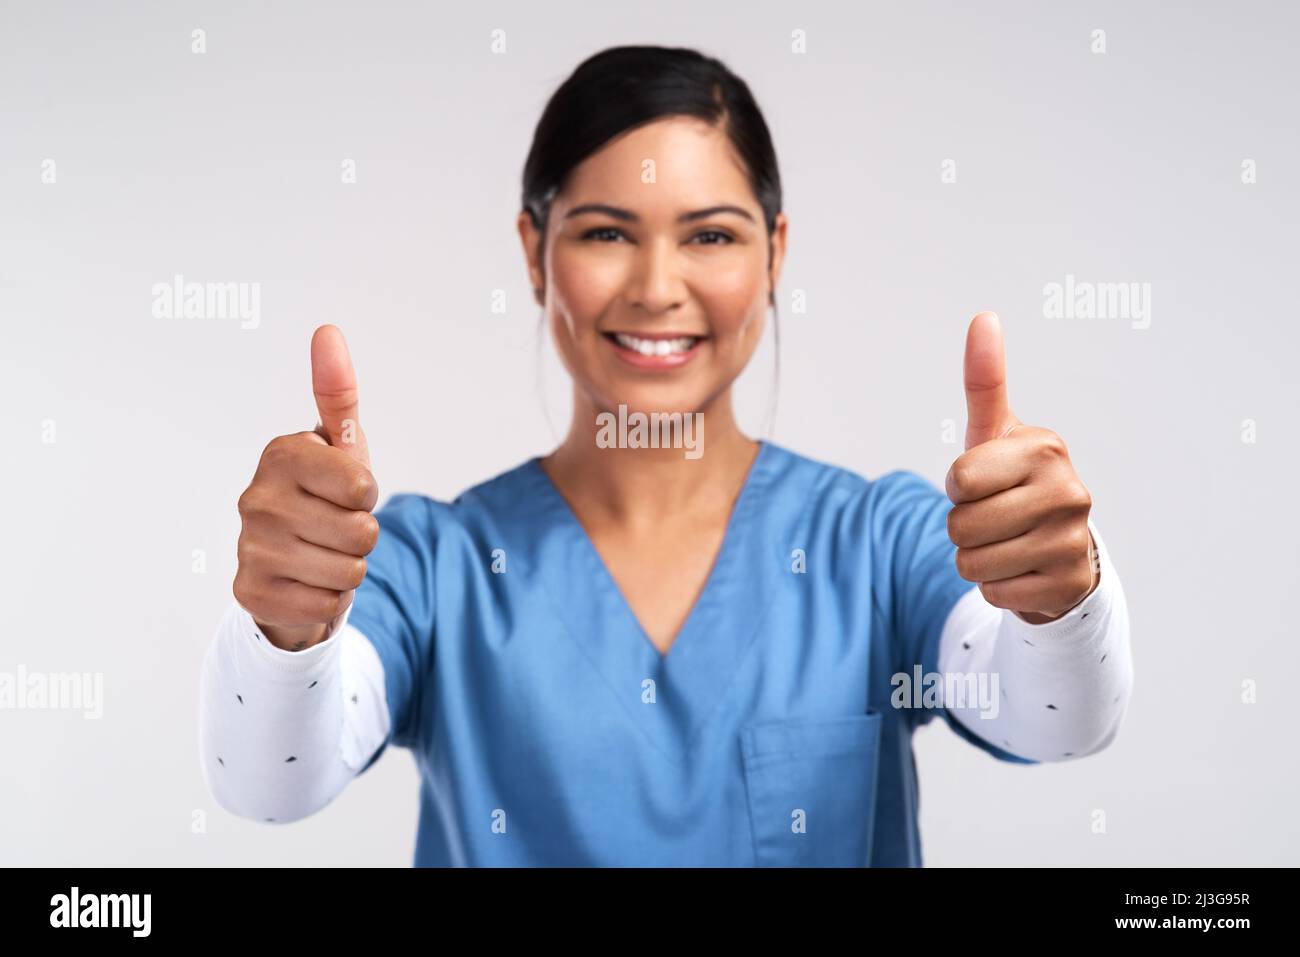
x: 628, y: 216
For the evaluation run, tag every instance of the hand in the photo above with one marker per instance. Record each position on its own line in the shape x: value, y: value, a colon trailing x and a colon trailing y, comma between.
x: 1020, y: 513
x: 306, y: 522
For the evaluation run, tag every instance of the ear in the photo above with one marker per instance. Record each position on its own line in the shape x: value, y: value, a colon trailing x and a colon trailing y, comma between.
x: 531, y: 239
x: 776, y: 243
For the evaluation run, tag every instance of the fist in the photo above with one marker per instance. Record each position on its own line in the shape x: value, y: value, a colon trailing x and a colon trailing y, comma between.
x: 1020, y: 513
x: 306, y: 522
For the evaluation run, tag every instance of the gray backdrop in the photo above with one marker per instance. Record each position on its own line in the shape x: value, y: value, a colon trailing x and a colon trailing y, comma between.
x: 1169, y: 160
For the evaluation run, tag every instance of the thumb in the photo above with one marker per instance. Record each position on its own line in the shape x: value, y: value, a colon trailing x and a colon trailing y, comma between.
x: 334, y: 383
x: 988, y: 414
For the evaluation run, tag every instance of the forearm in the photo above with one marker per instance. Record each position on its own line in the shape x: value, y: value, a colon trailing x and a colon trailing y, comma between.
x: 280, y: 732
x: 1062, y: 686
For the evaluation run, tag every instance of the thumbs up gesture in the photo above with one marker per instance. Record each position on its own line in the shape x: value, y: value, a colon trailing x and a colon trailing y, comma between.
x: 334, y: 383
x: 1020, y: 513
x: 305, y: 518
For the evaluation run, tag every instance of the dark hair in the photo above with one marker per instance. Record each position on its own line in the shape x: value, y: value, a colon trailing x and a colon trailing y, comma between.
x: 624, y: 87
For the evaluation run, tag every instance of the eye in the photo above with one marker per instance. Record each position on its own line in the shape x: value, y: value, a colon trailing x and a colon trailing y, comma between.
x: 722, y: 238
x: 602, y: 233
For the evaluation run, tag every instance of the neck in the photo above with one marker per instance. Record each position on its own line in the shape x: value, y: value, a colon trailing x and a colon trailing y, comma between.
x: 642, y: 487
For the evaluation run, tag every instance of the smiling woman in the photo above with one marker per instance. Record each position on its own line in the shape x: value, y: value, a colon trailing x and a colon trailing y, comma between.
x: 617, y: 654
x: 659, y: 251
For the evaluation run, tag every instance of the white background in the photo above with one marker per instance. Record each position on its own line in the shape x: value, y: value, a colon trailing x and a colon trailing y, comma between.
x: 225, y: 167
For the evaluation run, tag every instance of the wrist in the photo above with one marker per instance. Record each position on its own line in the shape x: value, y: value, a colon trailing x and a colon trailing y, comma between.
x: 294, y: 637
x: 1094, y: 566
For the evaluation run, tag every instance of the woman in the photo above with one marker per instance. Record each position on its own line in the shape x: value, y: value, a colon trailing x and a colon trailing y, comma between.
x: 697, y: 650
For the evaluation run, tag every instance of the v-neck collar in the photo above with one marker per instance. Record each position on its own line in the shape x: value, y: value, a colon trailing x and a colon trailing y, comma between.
x: 690, y: 681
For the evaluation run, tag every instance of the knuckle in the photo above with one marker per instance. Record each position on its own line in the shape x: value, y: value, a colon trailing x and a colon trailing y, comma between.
x: 957, y: 527
x: 966, y: 565
x: 244, y: 550
x: 356, y: 572
x: 1084, y: 584
x: 367, y: 532
x: 992, y: 594
x: 253, y: 503
x: 1081, y: 539
x: 1080, y: 497
x: 363, y: 486
x: 960, y: 477
x: 345, y: 600
x: 284, y: 451
x: 1052, y: 447
x: 331, y: 604
x: 246, y: 594
x: 1073, y: 545
x: 277, y: 458
x: 255, y: 558
x: 277, y: 449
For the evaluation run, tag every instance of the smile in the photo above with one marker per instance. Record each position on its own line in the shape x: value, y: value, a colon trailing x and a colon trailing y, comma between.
x: 654, y: 351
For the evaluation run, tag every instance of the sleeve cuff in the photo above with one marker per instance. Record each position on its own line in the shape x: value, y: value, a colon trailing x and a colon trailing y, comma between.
x: 1086, y: 620
x: 295, y: 661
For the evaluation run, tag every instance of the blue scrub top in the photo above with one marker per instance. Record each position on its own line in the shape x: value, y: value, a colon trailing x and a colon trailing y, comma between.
x: 549, y: 730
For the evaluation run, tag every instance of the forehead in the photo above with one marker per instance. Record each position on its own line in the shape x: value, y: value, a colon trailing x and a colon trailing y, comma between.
x: 694, y: 164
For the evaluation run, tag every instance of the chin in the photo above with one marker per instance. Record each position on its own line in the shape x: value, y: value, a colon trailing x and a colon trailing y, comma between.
x: 648, y: 398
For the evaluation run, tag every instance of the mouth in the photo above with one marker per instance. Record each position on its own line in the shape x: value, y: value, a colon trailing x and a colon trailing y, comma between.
x: 655, y: 350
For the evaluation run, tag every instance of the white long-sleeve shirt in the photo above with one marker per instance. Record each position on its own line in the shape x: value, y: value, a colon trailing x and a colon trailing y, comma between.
x: 1063, y: 685
x: 1063, y: 690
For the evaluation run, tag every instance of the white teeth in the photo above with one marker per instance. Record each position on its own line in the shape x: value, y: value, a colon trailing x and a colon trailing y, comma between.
x: 655, y: 347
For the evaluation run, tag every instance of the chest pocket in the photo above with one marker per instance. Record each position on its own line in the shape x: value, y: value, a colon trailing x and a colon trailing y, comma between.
x: 811, y: 786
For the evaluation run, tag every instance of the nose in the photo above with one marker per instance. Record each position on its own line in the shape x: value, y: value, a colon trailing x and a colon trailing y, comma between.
x: 656, y: 285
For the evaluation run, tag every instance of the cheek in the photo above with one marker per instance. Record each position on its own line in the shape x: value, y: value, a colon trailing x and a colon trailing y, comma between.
x: 735, y: 298
x: 583, y: 288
